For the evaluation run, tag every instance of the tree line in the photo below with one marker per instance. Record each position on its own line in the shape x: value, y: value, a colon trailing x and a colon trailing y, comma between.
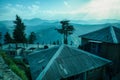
x: 19, y: 35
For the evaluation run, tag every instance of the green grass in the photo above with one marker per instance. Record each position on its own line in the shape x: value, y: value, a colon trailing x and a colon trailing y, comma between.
x: 24, y: 67
x: 10, y: 62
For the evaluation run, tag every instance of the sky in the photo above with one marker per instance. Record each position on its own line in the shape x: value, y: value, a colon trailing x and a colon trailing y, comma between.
x: 60, y: 9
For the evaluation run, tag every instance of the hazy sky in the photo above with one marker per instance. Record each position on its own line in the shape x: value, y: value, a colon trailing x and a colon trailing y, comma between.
x: 60, y: 9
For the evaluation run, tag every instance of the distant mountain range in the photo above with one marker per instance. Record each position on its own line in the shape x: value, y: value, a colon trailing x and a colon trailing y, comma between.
x: 104, y: 21
x: 46, y: 33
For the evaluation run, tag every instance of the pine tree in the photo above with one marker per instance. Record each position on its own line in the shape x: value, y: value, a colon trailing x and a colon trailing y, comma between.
x: 7, y: 38
x: 18, y: 33
x: 32, y: 38
x: 66, y: 30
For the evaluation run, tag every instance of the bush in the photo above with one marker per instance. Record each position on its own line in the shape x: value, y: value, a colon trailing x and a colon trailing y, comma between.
x: 45, y: 47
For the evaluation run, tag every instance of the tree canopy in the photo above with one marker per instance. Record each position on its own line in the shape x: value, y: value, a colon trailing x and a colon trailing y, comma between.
x: 18, y: 33
x: 7, y: 38
x: 32, y: 38
x: 66, y: 30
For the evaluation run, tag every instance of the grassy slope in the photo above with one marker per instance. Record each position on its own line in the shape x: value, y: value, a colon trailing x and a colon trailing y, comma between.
x: 10, y: 62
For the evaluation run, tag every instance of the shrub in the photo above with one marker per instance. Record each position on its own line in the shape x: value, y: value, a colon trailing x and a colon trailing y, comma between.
x: 45, y: 47
x: 13, y: 66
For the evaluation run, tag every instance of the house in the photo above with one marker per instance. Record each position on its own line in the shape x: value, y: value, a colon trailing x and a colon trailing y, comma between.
x: 105, y: 43
x: 67, y: 63
x: 11, y: 50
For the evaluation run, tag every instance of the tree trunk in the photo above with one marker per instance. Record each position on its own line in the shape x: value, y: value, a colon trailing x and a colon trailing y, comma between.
x: 65, y: 40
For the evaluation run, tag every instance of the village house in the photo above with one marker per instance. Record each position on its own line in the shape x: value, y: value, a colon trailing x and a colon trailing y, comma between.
x: 105, y: 43
x: 67, y: 63
x: 11, y: 50
x: 20, y: 51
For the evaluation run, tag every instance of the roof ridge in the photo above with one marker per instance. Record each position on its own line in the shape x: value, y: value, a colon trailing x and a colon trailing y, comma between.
x: 50, y: 63
x: 112, y: 31
x: 56, y: 55
x: 94, y: 31
x: 108, y: 34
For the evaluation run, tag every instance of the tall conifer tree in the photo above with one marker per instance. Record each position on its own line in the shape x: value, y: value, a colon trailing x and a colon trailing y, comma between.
x: 19, y: 31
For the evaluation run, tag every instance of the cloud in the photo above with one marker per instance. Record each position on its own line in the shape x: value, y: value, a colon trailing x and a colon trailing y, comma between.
x: 66, y: 4
x: 23, y: 11
x: 101, y: 9
x: 94, y: 9
x: 97, y: 9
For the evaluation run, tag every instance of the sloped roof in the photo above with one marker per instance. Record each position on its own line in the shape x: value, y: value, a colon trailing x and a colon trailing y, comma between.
x: 64, y: 62
x: 40, y: 59
x: 108, y: 34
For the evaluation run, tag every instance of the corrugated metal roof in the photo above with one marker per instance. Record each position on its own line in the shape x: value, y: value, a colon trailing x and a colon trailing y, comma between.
x: 63, y: 62
x: 38, y: 60
x: 108, y: 34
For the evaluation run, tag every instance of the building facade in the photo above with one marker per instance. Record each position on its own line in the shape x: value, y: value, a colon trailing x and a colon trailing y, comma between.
x: 104, y: 43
